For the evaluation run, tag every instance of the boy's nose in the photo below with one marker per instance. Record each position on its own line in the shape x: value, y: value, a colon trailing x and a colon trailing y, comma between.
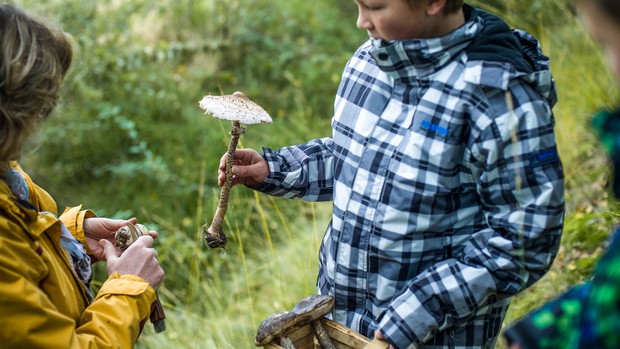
x: 362, y: 21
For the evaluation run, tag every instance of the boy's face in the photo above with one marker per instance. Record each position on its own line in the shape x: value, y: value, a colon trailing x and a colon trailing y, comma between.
x: 395, y: 20
x: 605, y: 30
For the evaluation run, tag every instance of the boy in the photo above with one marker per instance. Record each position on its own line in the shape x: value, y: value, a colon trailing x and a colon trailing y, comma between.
x: 443, y: 170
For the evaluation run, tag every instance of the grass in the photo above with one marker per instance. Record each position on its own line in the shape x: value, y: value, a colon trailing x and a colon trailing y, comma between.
x: 223, y: 309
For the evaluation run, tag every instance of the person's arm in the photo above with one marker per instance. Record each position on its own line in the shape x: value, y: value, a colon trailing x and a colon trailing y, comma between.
x: 32, y: 320
x: 553, y: 326
x: 520, y: 186
x: 303, y: 171
x: 586, y: 316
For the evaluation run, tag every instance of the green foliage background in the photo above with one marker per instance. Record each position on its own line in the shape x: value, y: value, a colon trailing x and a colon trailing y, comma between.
x: 130, y: 140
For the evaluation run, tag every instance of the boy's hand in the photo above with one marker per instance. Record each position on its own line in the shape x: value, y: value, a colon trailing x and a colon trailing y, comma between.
x: 379, y: 335
x: 249, y: 169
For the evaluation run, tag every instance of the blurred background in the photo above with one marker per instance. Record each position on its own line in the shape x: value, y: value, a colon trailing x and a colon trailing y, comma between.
x: 129, y: 140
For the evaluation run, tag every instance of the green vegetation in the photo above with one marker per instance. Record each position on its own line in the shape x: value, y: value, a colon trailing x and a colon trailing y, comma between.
x: 130, y: 140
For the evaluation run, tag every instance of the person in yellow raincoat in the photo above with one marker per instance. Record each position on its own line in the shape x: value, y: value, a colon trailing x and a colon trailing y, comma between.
x: 45, y: 259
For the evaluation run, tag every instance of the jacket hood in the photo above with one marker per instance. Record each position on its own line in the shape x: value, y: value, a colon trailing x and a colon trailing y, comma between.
x: 496, y: 42
x: 512, y: 50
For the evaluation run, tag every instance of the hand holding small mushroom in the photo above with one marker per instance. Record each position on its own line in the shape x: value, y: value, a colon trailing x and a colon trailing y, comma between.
x: 240, y: 110
x: 124, y: 237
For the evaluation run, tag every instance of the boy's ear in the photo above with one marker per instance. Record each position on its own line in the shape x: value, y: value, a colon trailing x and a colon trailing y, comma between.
x: 435, y: 7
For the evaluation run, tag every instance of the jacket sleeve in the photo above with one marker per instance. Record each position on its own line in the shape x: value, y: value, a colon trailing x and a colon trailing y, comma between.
x: 520, y: 187
x: 553, y: 326
x: 118, y: 314
x: 73, y: 218
x: 31, y: 320
x: 303, y: 171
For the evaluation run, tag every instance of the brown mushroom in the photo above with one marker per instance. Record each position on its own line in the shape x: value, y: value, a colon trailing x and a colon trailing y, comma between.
x: 274, y: 326
x: 308, y: 310
x: 240, y: 110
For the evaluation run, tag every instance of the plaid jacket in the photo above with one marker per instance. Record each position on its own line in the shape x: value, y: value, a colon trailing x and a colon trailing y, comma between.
x: 446, y: 183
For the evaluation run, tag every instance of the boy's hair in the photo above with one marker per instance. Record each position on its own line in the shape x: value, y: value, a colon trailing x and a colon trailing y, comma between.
x: 34, y: 59
x: 610, y: 7
x: 452, y: 6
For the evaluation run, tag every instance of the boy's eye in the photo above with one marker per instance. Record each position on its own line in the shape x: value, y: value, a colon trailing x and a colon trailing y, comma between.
x: 369, y: 7
x: 372, y: 7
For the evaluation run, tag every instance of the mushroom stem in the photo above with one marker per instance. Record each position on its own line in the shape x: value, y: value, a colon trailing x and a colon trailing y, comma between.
x: 214, y: 234
x: 286, y: 343
x: 322, y: 336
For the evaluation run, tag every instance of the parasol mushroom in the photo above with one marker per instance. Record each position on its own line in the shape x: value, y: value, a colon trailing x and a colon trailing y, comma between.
x: 308, y: 310
x: 123, y: 238
x: 240, y: 110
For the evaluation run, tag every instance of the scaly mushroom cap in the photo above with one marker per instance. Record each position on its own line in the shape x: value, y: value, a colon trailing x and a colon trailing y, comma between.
x: 235, y: 107
x: 312, y: 307
x: 273, y: 326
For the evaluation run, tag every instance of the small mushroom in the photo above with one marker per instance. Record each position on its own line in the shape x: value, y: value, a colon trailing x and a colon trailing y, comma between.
x: 128, y: 234
x: 123, y: 238
x: 240, y: 110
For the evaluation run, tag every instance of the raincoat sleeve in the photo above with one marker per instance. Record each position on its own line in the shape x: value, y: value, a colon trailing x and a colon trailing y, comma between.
x: 303, y: 171
x: 30, y: 318
x: 73, y: 218
x: 118, y: 314
x: 514, y: 161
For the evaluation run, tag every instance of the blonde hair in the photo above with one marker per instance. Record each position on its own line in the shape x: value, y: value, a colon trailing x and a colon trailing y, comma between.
x: 452, y: 6
x: 34, y: 59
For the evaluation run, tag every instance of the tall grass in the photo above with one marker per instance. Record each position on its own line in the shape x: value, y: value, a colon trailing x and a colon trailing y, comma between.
x: 224, y: 299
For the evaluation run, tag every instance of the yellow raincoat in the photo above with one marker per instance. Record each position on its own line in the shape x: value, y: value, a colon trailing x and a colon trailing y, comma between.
x: 42, y: 302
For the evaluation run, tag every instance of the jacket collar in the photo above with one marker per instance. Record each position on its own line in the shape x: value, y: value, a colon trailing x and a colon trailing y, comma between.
x: 23, y: 212
x: 422, y: 57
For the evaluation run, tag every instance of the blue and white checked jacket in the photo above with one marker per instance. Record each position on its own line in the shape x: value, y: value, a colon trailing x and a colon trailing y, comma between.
x: 446, y: 183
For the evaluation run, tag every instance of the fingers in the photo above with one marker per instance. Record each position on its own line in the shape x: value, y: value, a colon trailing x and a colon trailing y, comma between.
x: 144, y: 240
x: 139, y: 259
x: 109, y: 251
x: 249, y: 168
x: 258, y: 171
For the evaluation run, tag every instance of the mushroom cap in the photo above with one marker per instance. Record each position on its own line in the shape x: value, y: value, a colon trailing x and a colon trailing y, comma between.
x: 235, y: 107
x: 273, y: 326
x: 312, y: 307
x: 305, y: 311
